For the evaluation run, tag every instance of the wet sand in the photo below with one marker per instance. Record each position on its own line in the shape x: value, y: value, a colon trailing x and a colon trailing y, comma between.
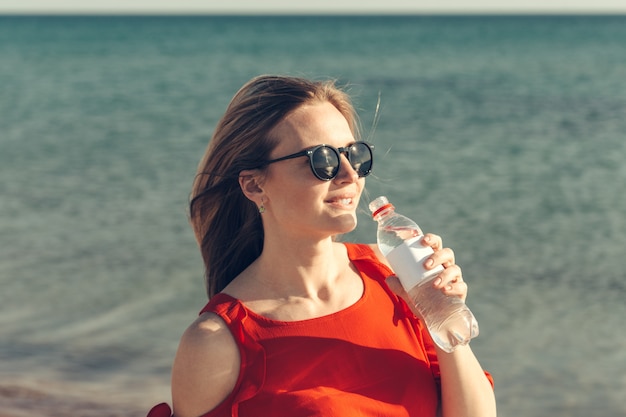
x: 21, y: 401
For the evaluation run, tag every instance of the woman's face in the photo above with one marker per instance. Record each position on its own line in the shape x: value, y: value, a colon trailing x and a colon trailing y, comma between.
x: 297, y: 203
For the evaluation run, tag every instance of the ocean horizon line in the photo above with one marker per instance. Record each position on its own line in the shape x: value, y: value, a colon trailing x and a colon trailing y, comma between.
x: 291, y: 14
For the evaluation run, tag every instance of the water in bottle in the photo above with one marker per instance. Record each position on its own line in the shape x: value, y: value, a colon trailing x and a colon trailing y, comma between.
x: 449, y: 321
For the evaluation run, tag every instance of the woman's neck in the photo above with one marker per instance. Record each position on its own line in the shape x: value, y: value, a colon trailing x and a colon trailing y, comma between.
x: 298, y: 281
x: 299, y: 268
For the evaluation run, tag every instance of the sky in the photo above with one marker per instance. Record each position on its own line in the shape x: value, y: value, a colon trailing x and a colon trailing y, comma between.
x: 312, y: 6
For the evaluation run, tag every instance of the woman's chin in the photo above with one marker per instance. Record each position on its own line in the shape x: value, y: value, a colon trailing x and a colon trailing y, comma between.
x: 348, y: 223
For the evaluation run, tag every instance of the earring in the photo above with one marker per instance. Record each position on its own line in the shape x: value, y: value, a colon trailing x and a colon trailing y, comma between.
x: 261, y: 207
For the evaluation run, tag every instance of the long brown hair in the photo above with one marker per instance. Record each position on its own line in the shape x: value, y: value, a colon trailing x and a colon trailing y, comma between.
x: 227, y: 225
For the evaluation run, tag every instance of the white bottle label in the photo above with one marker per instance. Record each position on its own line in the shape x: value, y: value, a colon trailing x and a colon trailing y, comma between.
x: 407, y: 261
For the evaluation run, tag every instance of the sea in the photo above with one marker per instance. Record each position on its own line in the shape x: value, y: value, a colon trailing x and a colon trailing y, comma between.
x: 506, y: 135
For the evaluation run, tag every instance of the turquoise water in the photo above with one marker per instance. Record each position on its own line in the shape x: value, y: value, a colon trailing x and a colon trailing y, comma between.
x: 505, y: 135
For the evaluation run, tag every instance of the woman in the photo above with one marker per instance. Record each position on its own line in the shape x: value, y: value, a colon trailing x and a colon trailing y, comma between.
x: 297, y: 323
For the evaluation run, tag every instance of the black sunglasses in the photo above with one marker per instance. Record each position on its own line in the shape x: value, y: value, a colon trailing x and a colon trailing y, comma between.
x: 325, y: 159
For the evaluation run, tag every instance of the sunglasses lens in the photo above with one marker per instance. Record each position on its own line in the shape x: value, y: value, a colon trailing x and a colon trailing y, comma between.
x: 325, y: 160
x: 361, y: 159
x: 325, y: 163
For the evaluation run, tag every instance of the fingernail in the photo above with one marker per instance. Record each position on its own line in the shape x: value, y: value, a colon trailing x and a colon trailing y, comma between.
x: 429, y: 263
x: 437, y: 281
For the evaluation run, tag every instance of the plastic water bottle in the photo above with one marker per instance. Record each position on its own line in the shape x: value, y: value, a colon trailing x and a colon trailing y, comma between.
x: 447, y: 318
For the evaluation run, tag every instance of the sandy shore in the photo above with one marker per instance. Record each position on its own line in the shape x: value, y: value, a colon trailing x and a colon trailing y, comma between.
x: 19, y: 401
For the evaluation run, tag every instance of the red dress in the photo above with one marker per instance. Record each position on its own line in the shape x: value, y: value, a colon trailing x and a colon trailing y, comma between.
x: 373, y: 358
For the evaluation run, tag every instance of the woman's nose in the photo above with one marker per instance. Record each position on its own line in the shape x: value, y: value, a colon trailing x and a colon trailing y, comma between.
x: 346, y: 172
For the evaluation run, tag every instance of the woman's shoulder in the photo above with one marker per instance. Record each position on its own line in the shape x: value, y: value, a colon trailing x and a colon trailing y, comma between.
x: 206, y: 366
x: 208, y: 328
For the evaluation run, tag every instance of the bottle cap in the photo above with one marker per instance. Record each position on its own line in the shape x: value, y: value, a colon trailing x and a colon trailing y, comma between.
x: 379, y: 204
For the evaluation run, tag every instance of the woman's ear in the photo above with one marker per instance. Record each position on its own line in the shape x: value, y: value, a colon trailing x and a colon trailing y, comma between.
x: 250, y: 181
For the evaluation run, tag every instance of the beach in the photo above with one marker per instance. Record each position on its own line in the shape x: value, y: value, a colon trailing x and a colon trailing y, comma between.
x: 18, y: 401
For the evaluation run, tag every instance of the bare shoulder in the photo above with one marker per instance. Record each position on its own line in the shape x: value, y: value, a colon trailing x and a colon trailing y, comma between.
x: 206, y: 366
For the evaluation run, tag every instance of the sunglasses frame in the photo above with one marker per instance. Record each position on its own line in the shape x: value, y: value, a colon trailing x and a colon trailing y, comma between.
x: 345, y: 150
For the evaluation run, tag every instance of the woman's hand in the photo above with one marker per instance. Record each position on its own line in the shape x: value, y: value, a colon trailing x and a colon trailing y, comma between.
x: 450, y: 280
